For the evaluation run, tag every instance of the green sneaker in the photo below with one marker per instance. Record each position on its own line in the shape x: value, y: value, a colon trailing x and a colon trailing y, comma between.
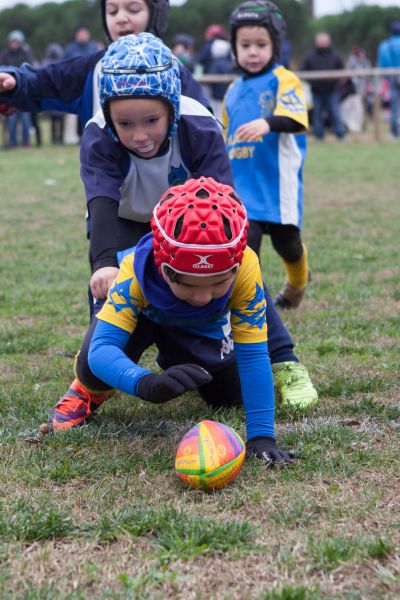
x: 293, y: 385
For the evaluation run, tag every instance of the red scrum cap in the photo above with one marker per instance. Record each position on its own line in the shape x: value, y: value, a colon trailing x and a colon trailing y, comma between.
x: 199, y: 228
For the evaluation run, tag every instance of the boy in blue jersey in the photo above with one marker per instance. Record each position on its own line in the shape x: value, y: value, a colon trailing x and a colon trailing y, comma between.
x: 265, y: 118
x: 194, y: 289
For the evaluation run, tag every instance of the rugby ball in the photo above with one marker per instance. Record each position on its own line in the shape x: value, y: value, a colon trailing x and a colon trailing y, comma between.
x: 210, y: 456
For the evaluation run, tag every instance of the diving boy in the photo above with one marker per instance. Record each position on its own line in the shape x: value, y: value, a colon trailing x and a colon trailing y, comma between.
x: 146, y: 137
x: 194, y: 289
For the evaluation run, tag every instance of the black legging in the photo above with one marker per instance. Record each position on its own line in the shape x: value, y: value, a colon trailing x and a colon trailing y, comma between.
x: 286, y: 239
x: 223, y: 390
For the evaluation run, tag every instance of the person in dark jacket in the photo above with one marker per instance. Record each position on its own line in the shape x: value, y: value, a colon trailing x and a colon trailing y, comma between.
x: 215, y: 57
x: 183, y: 48
x: 14, y: 55
x: 81, y: 45
x: 389, y: 56
x: 323, y: 57
x: 54, y: 53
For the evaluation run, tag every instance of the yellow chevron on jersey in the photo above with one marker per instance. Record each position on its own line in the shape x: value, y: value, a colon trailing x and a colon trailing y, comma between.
x: 247, y: 303
x: 125, y: 299
x: 290, y: 100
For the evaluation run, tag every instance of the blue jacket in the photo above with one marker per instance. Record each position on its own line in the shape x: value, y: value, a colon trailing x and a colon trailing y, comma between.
x: 122, y: 188
x: 70, y: 86
x: 389, y: 52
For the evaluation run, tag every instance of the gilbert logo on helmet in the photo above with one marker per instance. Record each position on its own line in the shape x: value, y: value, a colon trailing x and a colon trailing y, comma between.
x: 248, y: 16
x: 203, y: 263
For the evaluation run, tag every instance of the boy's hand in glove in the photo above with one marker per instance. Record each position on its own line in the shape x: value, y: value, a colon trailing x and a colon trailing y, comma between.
x: 174, y: 382
x: 266, y: 449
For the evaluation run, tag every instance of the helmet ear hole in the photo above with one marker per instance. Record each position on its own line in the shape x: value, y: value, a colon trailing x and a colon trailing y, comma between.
x: 167, y: 197
x: 235, y: 197
x: 227, y: 227
x: 202, y: 193
x: 178, y: 227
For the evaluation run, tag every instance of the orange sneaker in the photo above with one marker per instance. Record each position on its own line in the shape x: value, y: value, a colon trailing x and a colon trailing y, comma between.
x: 75, y: 407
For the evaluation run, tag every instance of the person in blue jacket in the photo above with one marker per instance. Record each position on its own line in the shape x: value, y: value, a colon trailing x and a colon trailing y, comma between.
x: 194, y: 289
x: 389, y: 56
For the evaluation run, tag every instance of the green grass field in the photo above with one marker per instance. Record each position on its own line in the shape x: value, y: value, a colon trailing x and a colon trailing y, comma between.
x: 100, y: 513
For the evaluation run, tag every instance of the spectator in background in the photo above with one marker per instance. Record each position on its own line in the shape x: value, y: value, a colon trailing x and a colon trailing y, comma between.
x: 183, y: 48
x: 286, y: 53
x: 358, y: 60
x: 54, y: 53
x: 82, y: 45
x: 215, y: 57
x: 389, y: 56
x: 323, y: 57
x: 14, y: 55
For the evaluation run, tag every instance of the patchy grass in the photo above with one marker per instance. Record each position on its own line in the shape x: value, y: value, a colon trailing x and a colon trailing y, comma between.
x: 99, y: 512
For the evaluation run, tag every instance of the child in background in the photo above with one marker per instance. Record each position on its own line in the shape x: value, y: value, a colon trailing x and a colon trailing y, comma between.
x: 265, y: 119
x: 194, y: 289
x: 183, y: 48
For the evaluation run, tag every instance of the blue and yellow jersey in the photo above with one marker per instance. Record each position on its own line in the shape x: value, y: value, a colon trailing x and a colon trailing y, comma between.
x: 268, y: 172
x: 139, y: 288
x: 241, y: 311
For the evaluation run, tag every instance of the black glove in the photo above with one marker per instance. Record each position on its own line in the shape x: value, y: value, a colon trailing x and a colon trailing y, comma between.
x: 174, y: 382
x: 265, y: 447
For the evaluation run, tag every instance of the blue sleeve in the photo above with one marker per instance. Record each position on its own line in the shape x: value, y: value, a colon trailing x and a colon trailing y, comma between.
x: 257, y: 388
x: 108, y: 361
x: 66, y: 86
x: 192, y: 88
x: 203, y: 148
x: 104, y: 164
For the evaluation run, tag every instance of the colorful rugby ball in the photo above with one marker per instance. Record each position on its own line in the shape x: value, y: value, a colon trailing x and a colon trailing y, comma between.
x: 209, y: 456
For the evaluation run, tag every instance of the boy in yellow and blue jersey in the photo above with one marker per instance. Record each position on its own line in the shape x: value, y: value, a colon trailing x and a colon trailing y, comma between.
x: 265, y: 119
x: 146, y: 138
x: 194, y: 289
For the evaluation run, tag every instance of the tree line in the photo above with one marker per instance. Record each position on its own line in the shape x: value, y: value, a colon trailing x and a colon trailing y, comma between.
x: 365, y: 26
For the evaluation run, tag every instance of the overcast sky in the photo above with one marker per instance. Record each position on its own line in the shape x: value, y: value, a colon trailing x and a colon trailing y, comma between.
x: 322, y: 7
x: 8, y: 3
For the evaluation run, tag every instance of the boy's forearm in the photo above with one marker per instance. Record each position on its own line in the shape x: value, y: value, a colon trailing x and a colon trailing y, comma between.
x: 108, y: 361
x: 21, y: 97
x: 284, y: 124
x: 64, y: 86
x: 257, y: 388
x: 103, y: 233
